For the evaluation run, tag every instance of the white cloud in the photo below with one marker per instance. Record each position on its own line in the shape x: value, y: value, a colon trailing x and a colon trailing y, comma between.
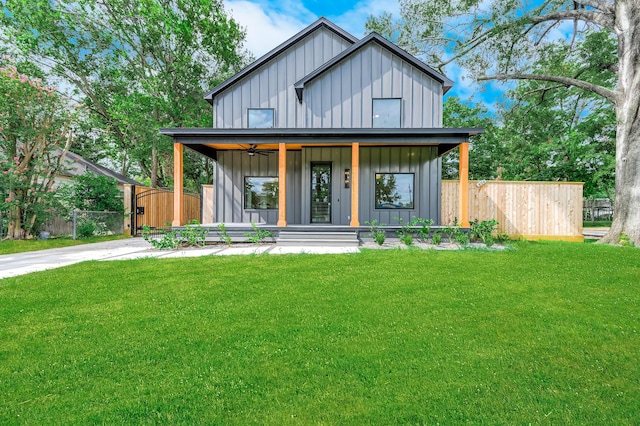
x: 353, y: 21
x: 266, y: 27
x: 269, y: 23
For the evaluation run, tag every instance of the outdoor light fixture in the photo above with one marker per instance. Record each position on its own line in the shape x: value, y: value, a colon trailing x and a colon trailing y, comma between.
x: 347, y: 177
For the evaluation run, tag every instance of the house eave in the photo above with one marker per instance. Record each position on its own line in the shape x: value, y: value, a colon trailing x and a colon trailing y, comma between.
x: 373, y: 38
x: 447, y: 137
x: 320, y: 23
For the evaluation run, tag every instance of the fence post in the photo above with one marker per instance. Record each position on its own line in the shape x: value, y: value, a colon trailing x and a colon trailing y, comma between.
x: 75, y: 221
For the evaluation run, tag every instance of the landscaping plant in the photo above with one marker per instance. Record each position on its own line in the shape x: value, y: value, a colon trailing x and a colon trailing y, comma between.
x: 378, y: 235
x: 224, y: 235
x: 405, y: 234
x: 424, y: 227
x: 194, y: 234
x: 483, y: 231
x: 258, y: 235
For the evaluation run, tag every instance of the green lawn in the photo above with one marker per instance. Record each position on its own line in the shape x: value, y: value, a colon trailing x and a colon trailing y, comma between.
x: 545, y: 334
x: 20, y: 246
x: 596, y: 224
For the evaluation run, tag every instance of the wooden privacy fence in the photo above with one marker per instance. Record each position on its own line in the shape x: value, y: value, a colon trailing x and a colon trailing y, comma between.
x: 154, y: 207
x: 533, y: 210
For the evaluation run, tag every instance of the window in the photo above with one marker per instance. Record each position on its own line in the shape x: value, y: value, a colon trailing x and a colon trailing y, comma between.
x: 260, y: 193
x: 394, y: 190
x: 260, y: 118
x: 386, y: 113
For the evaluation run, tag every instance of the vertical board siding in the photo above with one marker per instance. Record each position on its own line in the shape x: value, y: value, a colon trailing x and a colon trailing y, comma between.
x: 294, y: 187
x: 529, y: 209
x: 271, y: 85
x: 422, y: 161
x: 342, y: 97
x: 233, y: 167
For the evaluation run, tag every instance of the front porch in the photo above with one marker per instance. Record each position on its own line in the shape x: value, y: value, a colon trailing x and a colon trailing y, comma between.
x: 352, y: 162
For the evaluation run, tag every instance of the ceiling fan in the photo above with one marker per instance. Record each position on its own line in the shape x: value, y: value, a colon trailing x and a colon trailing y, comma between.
x: 253, y: 150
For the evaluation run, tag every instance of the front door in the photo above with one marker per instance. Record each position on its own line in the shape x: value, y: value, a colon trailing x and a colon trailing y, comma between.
x: 320, y: 192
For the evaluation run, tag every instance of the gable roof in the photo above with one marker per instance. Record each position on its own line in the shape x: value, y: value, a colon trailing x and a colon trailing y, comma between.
x: 374, y: 38
x: 75, y: 165
x: 320, y: 23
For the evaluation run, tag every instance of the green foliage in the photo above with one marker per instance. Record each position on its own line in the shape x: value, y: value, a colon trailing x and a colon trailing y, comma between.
x: 424, y: 227
x: 450, y: 232
x: 625, y: 241
x: 35, y: 132
x: 378, y: 235
x: 139, y: 67
x: 461, y: 237
x: 223, y: 234
x: 86, y: 228
x: 484, y: 231
x: 258, y: 235
x: 543, y: 334
x: 405, y: 233
x: 168, y: 240
x: 436, y: 238
x: 194, y: 234
x: 94, y: 193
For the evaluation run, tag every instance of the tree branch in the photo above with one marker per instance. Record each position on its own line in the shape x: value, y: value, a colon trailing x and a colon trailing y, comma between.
x: 603, y: 19
x: 602, y: 5
x: 567, y: 81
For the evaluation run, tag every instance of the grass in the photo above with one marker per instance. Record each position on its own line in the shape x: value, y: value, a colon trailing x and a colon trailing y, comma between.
x: 596, y: 224
x: 21, y: 246
x: 545, y: 334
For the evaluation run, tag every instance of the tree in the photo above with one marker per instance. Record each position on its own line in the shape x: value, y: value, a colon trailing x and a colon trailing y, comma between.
x: 500, y: 40
x: 138, y: 66
x: 35, y: 133
x: 94, y: 193
x: 486, y: 149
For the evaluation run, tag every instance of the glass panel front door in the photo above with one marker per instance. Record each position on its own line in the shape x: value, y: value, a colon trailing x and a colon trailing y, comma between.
x: 320, y: 192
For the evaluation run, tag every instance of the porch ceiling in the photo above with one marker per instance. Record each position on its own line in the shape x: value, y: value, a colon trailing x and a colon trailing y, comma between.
x: 208, y: 141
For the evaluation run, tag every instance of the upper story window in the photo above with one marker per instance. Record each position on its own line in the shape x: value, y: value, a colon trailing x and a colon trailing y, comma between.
x: 386, y: 113
x: 260, y: 118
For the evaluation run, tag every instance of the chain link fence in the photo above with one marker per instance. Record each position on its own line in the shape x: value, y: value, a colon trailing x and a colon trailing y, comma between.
x: 89, y: 223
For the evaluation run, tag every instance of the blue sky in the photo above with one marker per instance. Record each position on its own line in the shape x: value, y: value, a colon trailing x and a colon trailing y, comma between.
x: 270, y: 22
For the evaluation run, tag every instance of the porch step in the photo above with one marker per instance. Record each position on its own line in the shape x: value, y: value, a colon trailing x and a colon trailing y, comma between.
x: 318, y: 239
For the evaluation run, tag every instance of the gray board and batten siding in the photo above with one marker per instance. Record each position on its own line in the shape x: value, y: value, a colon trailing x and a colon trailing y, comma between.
x: 234, y: 166
x: 342, y: 95
x: 271, y: 85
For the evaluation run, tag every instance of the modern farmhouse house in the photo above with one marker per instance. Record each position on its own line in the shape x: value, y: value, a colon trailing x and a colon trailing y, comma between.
x: 327, y: 129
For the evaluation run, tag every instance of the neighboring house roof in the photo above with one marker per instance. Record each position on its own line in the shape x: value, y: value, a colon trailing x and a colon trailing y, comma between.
x: 374, y: 38
x: 320, y: 23
x: 75, y: 165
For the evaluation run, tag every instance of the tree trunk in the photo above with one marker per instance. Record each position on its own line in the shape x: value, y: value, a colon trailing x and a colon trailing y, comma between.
x: 15, y: 230
x: 154, y: 166
x: 627, y: 199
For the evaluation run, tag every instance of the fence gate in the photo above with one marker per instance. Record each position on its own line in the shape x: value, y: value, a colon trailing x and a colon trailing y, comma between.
x: 154, y: 208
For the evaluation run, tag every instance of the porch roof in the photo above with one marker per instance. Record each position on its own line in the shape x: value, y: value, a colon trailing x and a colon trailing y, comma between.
x: 208, y: 140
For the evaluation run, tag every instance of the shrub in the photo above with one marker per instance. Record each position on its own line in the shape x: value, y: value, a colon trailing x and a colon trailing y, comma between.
x: 258, y: 235
x: 483, y: 231
x: 378, y: 235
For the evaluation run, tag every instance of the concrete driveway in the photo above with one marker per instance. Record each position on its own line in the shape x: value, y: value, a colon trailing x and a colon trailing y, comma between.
x: 12, y: 265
